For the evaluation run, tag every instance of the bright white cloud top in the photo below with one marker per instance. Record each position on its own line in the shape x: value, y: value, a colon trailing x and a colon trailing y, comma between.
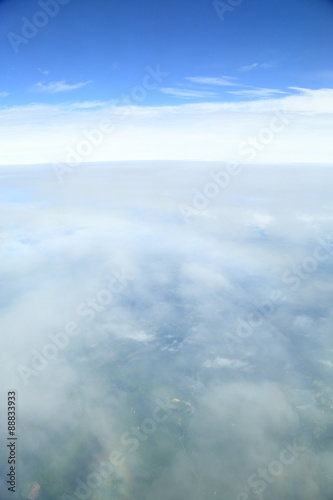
x: 292, y: 128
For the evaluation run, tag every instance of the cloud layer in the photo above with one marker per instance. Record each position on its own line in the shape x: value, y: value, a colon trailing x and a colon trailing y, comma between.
x: 212, y: 131
x: 206, y: 364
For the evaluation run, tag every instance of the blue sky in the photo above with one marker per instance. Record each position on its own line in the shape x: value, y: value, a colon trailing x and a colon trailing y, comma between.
x: 262, y: 44
x: 99, y: 51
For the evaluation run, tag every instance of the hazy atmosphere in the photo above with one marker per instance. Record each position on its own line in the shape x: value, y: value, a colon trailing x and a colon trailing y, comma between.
x: 166, y: 250
x: 125, y: 294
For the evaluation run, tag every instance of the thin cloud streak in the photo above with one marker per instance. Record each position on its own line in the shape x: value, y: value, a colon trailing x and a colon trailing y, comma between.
x: 256, y: 65
x: 206, y: 80
x: 250, y: 93
x: 56, y: 87
x: 188, y: 93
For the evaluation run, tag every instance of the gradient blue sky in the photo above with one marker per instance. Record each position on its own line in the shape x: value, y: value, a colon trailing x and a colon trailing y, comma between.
x: 266, y: 44
x: 93, y: 52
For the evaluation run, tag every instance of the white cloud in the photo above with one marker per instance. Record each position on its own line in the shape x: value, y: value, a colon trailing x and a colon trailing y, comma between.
x: 174, y: 317
x: 256, y: 65
x: 209, y: 131
x: 253, y: 93
x: 138, y: 336
x: 188, y: 93
x: 4, y: 94
x: 234, y: 364
x: 207, y: 80
x: 327, y: 363
x: 88, y: 104
x: 55, y: 87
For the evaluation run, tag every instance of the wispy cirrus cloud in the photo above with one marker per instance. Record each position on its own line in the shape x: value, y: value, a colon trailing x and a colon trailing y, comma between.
x: 195, y: 88
x: 55, y: 87
x: 207, y: 80
x: 256, y: 93
x: 256, y: 65
x: 188, y: 93
x: 88, y: 105
x: 4, y: 94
